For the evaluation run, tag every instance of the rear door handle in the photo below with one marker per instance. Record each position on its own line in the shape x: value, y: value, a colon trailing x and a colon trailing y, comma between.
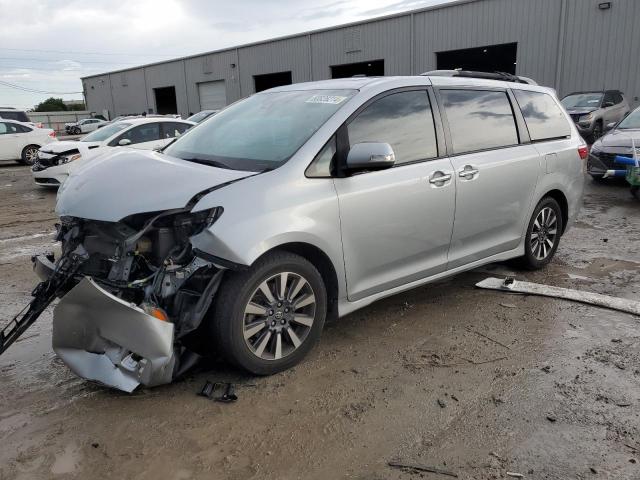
x: 439, y: 178
x: 468, y: 172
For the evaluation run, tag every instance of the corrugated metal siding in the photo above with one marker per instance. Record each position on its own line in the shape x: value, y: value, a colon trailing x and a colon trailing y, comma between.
x: 128, y: 92
x: 212, y: 67
x: 533, y: 24
x: 97, y: 92
x: 280, y: 56
x: 602, y: 47
x: 388, y: 39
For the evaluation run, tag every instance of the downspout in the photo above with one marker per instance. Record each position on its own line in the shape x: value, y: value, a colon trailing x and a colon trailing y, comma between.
x: 411, y: 47
x: 113, y: 104
x: 238, y: 67
x: 186, y: 89
x: 146, y: 88
x: 561, y: 41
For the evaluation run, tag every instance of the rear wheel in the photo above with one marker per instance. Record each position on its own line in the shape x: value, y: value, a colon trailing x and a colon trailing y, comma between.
x: 543, y: 234
x: 29, y: 154
x: 267, y: 318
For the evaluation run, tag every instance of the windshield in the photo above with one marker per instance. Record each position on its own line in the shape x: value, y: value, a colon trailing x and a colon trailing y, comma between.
x: 198, y: 117
x: 582, y: 100
x: 630, y: 121
x: 105, y: 132
x: 261, y: 132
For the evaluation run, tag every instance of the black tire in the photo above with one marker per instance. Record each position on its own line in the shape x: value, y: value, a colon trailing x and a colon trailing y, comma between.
x: 635, y: 192
x: 76, y: 131
x: 531, y: 259
x: 597, y: 132
x: 29, y: 154
x: 226, y: 319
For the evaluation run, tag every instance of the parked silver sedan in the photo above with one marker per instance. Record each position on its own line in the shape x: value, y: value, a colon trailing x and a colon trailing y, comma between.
x: 297, y: 204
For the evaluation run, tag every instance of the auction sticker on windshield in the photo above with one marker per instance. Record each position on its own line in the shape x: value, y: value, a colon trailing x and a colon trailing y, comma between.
x: 330, y: 99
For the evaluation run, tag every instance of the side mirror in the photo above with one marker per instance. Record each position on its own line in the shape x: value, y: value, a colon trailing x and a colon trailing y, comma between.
x: 608, y: 104
x: 609, y: 126
x: 124, y: 142
x: 370, y: 156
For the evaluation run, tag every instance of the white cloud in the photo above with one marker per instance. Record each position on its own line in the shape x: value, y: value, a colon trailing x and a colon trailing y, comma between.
x: 123, y: 33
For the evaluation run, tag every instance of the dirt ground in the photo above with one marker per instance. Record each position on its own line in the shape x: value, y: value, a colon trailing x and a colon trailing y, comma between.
x: 474, y: 382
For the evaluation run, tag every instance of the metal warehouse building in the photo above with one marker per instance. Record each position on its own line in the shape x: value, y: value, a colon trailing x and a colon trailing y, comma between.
x: 571, y: 45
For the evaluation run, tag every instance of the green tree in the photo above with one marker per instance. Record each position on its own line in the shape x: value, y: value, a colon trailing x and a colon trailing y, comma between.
x: 51, y: 105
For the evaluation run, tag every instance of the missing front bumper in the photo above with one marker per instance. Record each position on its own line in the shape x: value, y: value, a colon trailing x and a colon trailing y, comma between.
x: 107, y: 340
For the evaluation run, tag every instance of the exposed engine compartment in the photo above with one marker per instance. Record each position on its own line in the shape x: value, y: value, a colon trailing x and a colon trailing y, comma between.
x: 147, y: 259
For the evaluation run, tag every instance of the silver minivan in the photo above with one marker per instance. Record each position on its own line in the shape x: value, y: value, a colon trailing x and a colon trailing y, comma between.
x: 298, y: 204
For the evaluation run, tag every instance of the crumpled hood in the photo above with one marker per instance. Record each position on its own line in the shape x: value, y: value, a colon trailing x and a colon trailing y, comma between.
x: 63, y: 146
x: 119, y: 184
x: 580, y: 111
x: 621, y: 138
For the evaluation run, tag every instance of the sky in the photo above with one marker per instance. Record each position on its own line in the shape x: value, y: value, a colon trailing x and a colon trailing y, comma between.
x: 49, y: 45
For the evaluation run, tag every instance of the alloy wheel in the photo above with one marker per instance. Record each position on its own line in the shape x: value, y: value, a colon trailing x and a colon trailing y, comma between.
x: 544, y: 233
x: 31, y: 155
x: 279, y: 315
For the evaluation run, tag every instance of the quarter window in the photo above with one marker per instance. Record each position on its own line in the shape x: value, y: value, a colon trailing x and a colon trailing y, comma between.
x: 403, y: 120
x: 479, y: 120
x: 322, y: 165
x: 542, y: 115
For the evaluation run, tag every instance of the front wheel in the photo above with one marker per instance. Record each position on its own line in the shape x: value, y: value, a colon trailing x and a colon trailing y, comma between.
x: 266, y: 319
x: 543, y: 234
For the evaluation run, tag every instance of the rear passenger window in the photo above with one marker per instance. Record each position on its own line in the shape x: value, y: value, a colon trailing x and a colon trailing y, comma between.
x: 479, y: 120
x: 403, y: 120
x: 544, y: 119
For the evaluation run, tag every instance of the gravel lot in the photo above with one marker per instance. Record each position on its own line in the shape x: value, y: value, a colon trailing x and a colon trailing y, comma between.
x: 475, y: 382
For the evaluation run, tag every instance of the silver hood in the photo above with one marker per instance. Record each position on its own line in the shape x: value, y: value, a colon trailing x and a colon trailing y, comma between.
x: 125, y: 182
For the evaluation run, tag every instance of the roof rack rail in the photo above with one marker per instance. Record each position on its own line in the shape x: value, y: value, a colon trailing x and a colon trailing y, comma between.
x: 504, y: 76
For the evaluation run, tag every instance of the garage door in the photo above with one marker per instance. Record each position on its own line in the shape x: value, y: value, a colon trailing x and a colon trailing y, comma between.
x: 213, y: 95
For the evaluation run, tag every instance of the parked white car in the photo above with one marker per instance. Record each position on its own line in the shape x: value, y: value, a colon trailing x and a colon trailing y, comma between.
x: 56, y: 162
x: 84, y: 126
x: 21, y: 141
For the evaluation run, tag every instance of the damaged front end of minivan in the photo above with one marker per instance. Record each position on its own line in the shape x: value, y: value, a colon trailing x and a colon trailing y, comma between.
x: 134, y: 289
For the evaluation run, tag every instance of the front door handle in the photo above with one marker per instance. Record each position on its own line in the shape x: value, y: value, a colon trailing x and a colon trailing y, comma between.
x: 468, y: 172
x: 439, y: 178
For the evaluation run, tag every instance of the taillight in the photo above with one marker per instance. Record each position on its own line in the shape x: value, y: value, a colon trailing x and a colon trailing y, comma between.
x: 583, y: 151
x: 53, y: 134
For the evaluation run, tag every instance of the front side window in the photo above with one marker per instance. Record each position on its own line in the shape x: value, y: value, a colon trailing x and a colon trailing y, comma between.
x: 3, y: 128
x: 260, y: 132
x: 609, y: 99
x: 403, y: 120
x: 479, y: 120
x: 148, y: 132
x: 542, y: 115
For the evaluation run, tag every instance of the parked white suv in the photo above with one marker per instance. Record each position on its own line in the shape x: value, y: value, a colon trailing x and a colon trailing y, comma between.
x: 300, y: 203
x: 56, y: 162
x: 21, y: 141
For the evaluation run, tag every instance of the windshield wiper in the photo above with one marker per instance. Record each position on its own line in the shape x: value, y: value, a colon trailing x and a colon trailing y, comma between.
x: 211, y: 163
